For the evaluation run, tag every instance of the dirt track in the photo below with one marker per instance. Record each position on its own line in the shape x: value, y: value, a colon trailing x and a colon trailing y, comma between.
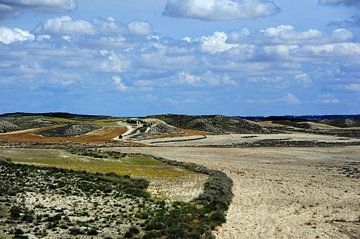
x: 283, y: 192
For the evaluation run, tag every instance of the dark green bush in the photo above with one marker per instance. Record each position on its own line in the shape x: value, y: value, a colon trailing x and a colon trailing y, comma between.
x: 15, y: 212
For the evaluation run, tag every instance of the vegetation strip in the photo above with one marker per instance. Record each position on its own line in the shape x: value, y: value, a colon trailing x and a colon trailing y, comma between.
x: 147, y: 218
x: 200, y: 217
x: 178, y: 140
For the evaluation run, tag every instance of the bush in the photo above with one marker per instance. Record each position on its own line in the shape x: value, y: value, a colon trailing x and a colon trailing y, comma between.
x: 93, y: 232
x: 15, y: 212
x: 75, y: 231
x: 132, y: 232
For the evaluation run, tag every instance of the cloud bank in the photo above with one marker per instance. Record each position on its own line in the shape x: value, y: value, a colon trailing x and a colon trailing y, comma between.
x: 13, y: 7
x: 279, y: 65
x: 220, y: 9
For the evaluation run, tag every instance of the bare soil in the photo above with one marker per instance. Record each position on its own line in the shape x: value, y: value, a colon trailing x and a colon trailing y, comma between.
x: 283, y: 192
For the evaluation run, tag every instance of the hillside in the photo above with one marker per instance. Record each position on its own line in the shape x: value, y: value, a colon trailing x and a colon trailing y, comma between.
x: 217, y: 124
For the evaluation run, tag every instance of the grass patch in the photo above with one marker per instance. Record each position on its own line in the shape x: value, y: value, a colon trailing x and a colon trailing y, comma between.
x: 132, y: 164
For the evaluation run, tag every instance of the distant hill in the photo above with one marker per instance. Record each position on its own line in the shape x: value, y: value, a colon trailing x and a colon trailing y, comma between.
x: 342, y: 121
x: 304, y: 117
x: 217, y: 124
x: 54, y: 114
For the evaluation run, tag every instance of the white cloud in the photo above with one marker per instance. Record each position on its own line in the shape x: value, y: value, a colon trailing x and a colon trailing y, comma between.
x: 341, y: 35
x: 303, y: 78
x: 333, y: 50
x: 216, y: 43
x: 207, y: 77
x: 287, y: 34
x: 108, y: 25
x: 279, y: 50
x: 187, y: 39
x: 352, y: 87
x: 114, y: 63
x: 65, y: 25
x: 220, y: 9
x: 5, y: 10
x: 120, y: 85
x: 228, y: 81
x: 187, y: 78
x: 292, y: 99
x: 327, y: 99
x: 237, y: 36
x: 8, y: 35
x: 10, y: 7
x: 275, y: 31
x: 140, y: 28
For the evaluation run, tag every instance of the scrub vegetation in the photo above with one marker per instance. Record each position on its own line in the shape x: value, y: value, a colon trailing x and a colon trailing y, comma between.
x: 87, y: 193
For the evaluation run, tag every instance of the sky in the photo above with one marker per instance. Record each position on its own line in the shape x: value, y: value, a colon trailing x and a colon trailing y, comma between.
x: 141, y: 57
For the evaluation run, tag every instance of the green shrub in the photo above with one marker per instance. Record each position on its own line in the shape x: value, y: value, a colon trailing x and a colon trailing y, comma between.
x: 15, y: 212
x: 132, y: 232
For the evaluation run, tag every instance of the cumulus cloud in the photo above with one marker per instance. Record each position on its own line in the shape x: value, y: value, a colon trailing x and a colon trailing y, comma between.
x: 287, y: 33
x: 220, y: 9
x: 140, y: 28
x: 207, y: 77
x: 187, y: 78
x: 332, y: 50
x: 274, y: 61
x: 10, y: 7
x: 341, y: 35
x: 216, y: 43
x: 114, y: 63
x: 65, y: 25
x: 8, y: 35
x: 120, y: 85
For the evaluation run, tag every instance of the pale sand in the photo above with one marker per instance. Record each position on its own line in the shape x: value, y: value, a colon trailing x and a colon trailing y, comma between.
x: 282, y: 192
x: 231, y: 139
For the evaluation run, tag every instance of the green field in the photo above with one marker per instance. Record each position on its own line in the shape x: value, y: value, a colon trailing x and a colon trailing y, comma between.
x: 133, y: 165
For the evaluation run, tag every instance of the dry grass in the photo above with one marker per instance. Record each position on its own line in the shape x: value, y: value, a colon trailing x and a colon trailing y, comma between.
x: 134, y: 165
x: 186, y: 132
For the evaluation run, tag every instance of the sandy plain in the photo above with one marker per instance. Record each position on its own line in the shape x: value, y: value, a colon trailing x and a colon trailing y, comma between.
x: 282, y: 192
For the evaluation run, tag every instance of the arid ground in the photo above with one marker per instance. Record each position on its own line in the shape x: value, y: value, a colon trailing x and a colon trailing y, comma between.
x: 195, y: 177
x: 283, y: 192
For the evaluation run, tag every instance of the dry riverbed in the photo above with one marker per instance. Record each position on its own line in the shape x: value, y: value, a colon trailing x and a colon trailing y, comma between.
x: 283, y: 192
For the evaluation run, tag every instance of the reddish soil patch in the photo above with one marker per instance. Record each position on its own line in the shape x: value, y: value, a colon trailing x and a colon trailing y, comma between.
x: 103, y: 135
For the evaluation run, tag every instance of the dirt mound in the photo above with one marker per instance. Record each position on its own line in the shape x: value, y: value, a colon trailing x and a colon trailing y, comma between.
x: 71, y: 130
x: 216, y: 124
x: 161, y: 129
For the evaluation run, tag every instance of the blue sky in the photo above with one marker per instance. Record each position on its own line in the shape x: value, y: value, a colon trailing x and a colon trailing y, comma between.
x: 140, y: 57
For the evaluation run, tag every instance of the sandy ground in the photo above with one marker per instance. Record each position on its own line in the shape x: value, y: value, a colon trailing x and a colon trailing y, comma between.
x: 231, y: 139
x: 283, y: 192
